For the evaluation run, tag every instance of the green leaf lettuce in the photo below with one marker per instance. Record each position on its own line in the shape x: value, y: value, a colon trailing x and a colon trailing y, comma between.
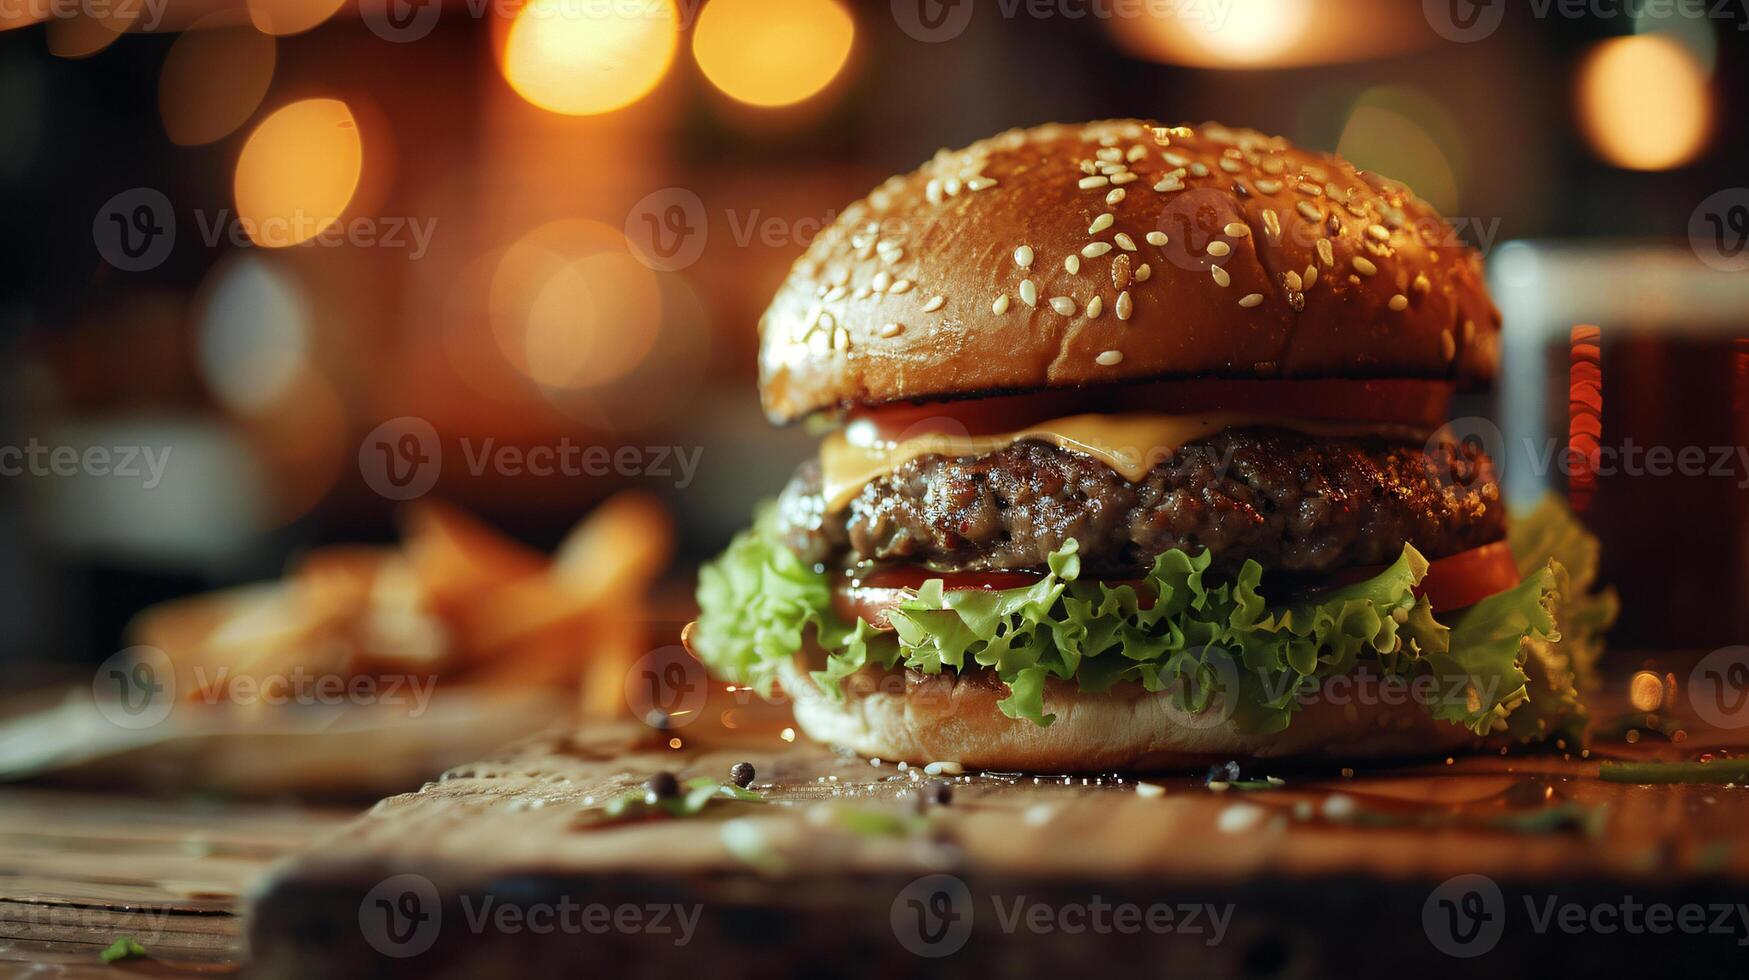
x: 1515, y: 663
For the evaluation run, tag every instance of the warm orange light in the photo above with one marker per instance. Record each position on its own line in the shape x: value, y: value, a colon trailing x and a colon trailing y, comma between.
x: 1644, y: 102
x: 297, y: 172
x: 772, y: 52
x: 571, y: 308
x: 582, y: 57
x: 212, y: 79
x: 85, y: 35
x: 290, y: 16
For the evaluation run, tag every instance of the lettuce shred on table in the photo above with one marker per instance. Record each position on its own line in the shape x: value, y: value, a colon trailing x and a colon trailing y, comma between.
x: 1517, y: 663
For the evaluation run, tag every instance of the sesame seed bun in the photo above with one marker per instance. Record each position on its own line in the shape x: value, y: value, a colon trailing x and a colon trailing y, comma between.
x: 1226, y: 253
x: 947, y: 717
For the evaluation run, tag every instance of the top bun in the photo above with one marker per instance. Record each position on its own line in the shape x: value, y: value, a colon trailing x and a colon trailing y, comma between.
x: 921, y: 290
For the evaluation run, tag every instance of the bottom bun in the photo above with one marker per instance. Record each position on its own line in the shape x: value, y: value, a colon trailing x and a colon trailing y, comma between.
x: 922, y: 718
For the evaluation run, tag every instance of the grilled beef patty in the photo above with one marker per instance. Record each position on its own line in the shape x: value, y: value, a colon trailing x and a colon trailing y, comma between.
x: 1293, y: 502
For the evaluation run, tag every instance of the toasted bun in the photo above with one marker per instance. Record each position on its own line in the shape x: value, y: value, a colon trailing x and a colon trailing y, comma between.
x: 953, y: 718
x: 1329, y: 272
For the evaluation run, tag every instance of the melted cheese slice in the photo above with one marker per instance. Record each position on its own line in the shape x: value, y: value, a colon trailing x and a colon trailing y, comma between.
x: 1131, y: 444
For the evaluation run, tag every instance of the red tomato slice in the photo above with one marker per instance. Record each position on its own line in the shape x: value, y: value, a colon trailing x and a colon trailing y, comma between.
x: 1422, y: 404
x: 1455, y: 582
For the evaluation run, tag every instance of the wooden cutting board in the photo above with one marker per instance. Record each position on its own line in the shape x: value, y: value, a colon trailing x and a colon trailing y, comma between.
x: 498, y: 868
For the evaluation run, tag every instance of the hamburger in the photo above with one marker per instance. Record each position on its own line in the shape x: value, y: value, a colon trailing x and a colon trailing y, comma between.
x: 1136, y: 455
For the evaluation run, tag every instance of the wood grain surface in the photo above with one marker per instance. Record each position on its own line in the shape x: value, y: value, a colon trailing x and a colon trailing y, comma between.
x: 493, y: 870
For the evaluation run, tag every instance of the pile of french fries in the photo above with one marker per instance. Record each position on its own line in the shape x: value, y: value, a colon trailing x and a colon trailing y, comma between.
x: 457, y: 602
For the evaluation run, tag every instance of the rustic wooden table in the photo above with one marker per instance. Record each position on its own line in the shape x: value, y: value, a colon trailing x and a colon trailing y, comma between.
x: 506, y: 867
x: 80, y: 870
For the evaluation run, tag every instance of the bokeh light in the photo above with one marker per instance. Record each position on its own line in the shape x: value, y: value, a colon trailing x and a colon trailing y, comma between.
x: 1695, y: 33
x: 1644, y: 102
x: 298, y: 172
x: 1406, y: 135
x: 213, y: 79
x: 254, y: 333
x: 772, y: 52
x: 570, y: 306
x: 290, y: 16
x: 84, y: 34
x: 582, y: 57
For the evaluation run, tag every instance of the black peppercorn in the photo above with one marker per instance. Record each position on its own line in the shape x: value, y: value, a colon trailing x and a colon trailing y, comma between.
x: 741, y: 774
x: 661, y: 786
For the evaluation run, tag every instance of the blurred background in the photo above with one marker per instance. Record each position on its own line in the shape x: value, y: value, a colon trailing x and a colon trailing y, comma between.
x: 276, y: 267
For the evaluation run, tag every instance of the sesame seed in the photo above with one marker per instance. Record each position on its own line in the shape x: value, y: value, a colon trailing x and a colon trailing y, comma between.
x: 1308, y: 211
x: 1124, y: 242
x: 1237, y: 229
x: 1028, y: 292
x: 1292, y: 280
x: 827, y: 320
x: 1091, y: 183
x: 1176, y: 159
x: 862, y: 292
x: 1422, y: 285
x: 1124, y: 306
x: 892, y: 329
x: 1110, y: 358
x: 1169, y: 184
x: 1230, y: 166
x: 1072, y: 263
x: 1156, y: 238
x: 900, y: 287
x: 1095, y: 306
x: 1000, y: 306
x: 1120, y: 272
x: 1252, y: 299
x: 1272, y: 223
x: 1063, y: 305
x: 1143, y: 272
x: 1364, y: 266
x: 1220, y: 249
x: 1399, y: 303
x: 1326, y: 252
x: 935, y: 303
x: 932, y: 191
x: 841, y: 340
x: 1311, y: 276
x: 1310, y: 190
x: 891, y: 255
x: 881, y: 281
x: 1101, y: 223
x: 1136, y: 153
x: 1222, y: 279
x: 1379, y: 232
x: 1095, y: 249
x: 980, y: 183
x: 834, y: 294
x: 1123, y: 178
x: 1199, y: 169
x: 1023, y: 256
x: 1116, y: 195
x: 1269, y: 186
x: 1447, y: 344
x: 1469, y: 331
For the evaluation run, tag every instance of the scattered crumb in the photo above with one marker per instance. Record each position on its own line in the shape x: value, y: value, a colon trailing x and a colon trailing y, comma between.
x: 1238, y: 818
x: 1150, y: 790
